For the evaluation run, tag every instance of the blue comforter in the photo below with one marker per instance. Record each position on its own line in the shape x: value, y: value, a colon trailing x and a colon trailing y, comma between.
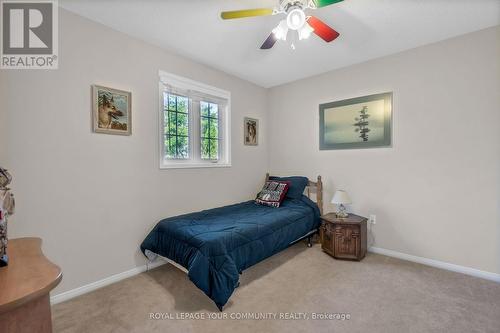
x: 216, y: 245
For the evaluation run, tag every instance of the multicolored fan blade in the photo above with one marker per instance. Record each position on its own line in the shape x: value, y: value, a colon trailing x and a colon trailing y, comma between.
x: 235, y: 14
x: 322, y: 30
x: 270, y: 41
x: 324, y: 3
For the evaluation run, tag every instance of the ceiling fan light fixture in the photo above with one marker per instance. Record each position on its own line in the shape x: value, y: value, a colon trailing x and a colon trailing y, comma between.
x: 296, y: 18
x: 281, y: 30
x: 305, y: 32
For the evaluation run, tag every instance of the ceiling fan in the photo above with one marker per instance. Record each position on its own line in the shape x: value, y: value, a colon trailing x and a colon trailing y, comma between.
x: 296, y: 19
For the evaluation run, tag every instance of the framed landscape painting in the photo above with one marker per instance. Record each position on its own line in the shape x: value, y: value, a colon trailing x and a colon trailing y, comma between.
x: 362, y: 122
x: 111, y: 111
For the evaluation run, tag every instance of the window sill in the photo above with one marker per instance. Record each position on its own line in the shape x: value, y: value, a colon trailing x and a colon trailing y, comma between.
x: 195, y: 165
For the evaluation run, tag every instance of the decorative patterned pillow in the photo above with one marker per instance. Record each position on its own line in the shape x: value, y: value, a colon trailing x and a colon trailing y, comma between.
x: 272, y: 194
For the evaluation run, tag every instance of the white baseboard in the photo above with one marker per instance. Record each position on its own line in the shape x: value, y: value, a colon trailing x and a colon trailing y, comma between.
x: 67, y: 295
x: 438, y: 264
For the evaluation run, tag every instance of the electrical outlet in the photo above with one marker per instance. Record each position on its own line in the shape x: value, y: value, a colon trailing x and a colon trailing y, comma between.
x: 373, y: 219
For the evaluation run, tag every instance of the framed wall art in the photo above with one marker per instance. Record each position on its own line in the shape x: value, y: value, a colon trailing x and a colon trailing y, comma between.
x: 362, y: 122
x: 111, y: 111
x: 251, y: 130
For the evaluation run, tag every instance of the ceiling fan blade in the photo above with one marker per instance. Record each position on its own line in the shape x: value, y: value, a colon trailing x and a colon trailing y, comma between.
x: 235, y: 14
x: 322, y: 30
x: 324, y: 3
x: 269, y: 42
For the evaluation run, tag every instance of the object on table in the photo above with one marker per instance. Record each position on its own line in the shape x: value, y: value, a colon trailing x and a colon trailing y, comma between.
x: 341, y: 198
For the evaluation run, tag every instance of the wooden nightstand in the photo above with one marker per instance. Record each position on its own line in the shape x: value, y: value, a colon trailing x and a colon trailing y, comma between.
x: 344, y: 238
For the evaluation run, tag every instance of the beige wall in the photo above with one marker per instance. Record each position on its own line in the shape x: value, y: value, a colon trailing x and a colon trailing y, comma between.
x: 436, y: 191
x: 93, y: 197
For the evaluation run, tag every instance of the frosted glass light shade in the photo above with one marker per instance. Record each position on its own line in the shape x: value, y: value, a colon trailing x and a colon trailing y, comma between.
x: 281, y: 30
x: 341, y: 197
x: 296, y: 19
x: 305, y: 31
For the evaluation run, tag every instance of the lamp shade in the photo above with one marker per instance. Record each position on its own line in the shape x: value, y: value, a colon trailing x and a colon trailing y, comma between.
x: 341, y: 197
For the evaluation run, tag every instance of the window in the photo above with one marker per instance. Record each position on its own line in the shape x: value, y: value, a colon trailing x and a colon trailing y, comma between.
x: 194, y: 124
x: 176, y: 120
x: 209, y: 131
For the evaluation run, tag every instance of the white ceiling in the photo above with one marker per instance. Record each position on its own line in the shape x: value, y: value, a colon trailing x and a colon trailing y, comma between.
x: 369, y: 29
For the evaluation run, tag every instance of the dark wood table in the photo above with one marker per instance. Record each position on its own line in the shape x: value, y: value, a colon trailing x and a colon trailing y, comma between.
x: 344, y: 238
x: 25, y: 285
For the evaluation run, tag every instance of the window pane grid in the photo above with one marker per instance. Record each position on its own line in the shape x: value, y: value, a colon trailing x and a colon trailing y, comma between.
x: 209, y: 119
x: 177, y: 127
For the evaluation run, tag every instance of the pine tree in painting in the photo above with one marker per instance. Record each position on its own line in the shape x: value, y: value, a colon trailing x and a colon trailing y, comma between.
x: 362, y: 123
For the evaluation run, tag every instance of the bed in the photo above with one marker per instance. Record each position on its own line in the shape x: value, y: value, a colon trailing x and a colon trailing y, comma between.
x: 215, y: 246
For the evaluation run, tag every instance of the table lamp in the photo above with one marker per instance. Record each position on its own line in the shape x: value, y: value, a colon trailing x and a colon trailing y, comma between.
x: 341, y: 198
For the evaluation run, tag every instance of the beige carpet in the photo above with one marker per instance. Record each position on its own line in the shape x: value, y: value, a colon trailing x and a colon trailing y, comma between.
x: 380, y: 294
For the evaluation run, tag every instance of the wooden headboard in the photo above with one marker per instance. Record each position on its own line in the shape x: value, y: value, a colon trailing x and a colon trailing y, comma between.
x: 312, y: 187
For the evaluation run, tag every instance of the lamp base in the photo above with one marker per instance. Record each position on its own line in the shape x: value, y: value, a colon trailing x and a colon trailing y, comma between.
x: 341, y: 213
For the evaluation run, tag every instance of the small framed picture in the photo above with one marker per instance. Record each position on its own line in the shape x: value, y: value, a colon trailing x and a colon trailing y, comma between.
x: 251, y: 129
x: 111, y: 111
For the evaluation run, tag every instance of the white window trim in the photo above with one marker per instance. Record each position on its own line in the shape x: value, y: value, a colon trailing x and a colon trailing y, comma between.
x: 181, y: 83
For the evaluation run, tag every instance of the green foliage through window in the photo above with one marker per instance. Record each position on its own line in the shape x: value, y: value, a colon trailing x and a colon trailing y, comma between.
x: 176, y: 122
x: 209, y: 125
